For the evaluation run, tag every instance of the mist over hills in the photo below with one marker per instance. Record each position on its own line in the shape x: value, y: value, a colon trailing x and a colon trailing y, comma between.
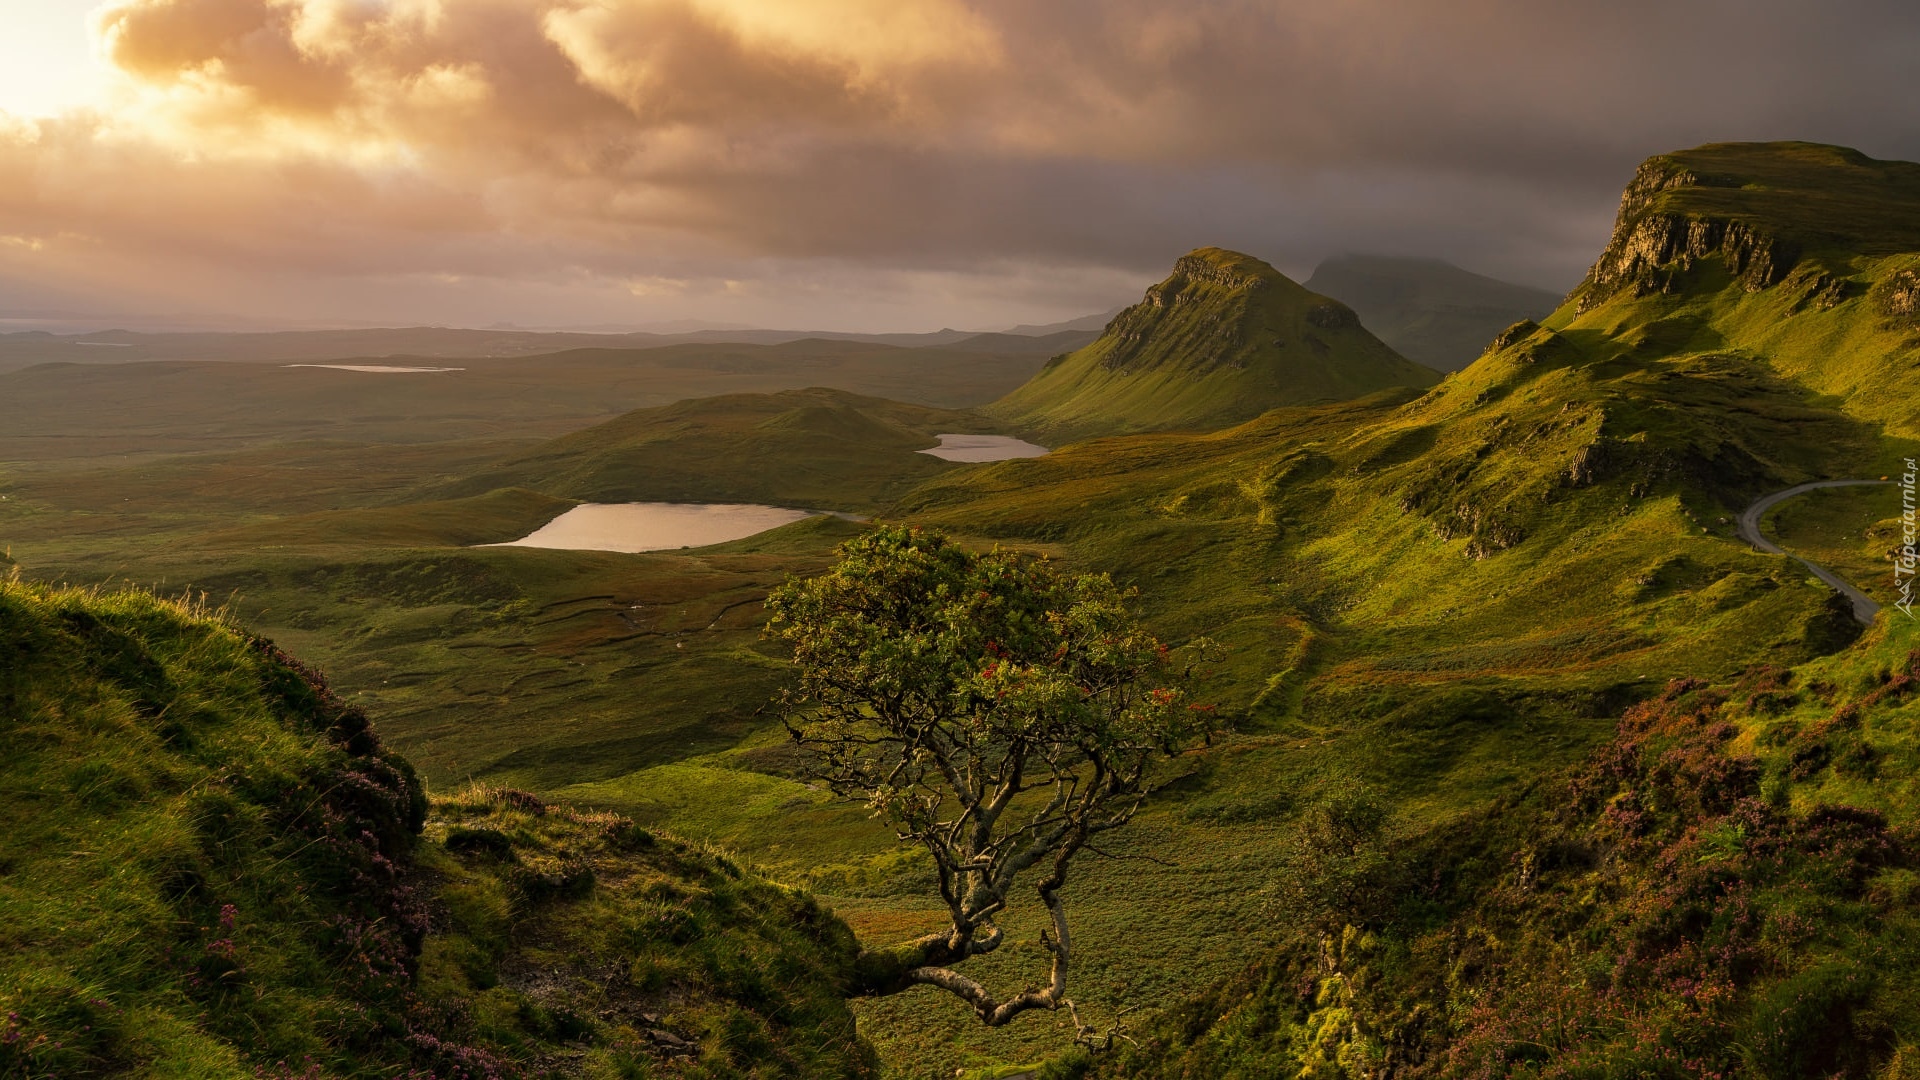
x: 28, y: 347
x: 1429, y: 310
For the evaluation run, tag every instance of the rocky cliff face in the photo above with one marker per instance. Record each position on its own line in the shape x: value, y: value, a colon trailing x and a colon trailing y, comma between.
x: 1652, y: 248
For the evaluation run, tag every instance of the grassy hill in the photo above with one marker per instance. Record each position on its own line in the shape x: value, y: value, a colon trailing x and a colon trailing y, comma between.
x: 1223, y: 339
x: 1431, y: 312
x: 1433, y: 602
x: 810, y: 448
x: 1727, y: 886
x: 1461, y: 598
x: 1806, y: 256
x: 213, y: 868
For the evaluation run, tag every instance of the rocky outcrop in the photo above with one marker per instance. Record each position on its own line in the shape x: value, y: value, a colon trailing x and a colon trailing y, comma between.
x: 1333, y: 315
x: 1903, y: 295
x: 1651, y: 249
x: 1518, y: 332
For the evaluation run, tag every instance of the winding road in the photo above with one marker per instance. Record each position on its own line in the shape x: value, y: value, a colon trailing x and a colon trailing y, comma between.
x: 1864, y: 608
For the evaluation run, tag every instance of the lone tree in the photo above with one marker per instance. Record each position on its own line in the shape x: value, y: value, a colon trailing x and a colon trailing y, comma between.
x: 997, y: 712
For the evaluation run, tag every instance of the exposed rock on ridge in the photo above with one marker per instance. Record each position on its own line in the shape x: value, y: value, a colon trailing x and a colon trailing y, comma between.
x: 1650, y: 249
x: 1903, y: 295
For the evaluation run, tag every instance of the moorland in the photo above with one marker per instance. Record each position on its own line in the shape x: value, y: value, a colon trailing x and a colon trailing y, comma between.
x: 1536, y: 767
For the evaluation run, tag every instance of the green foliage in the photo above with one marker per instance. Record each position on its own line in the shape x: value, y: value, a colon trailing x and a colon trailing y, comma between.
x: 1337, y: 853
x: 994, y: 711
x: 922, y: 639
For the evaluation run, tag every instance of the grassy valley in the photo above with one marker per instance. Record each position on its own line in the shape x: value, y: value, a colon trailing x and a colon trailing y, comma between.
x: 1512, y: 700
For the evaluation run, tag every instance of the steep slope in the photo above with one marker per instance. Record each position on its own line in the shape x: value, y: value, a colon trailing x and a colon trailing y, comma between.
x: 1223, y: 339
x: 1726, y: 887
x: 1429, y: 606
x: 211, y: 867
x: 1807, y: 256
x: 1431, y: 312
x: 813, y: 448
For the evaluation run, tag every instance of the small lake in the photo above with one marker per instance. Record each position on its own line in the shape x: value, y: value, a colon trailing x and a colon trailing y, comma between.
x: 984, y: 448
x: 634, y: 527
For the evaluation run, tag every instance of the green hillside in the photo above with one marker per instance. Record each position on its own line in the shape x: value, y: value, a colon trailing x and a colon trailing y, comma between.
x: 1452, y: 617
x: 1431, y: 312
x: 1223, y: 339
x: 1430, y: 606
x: 1727, y: 886
x: 814, y: 448
x: 213, y: 868
x: 1806, y: 256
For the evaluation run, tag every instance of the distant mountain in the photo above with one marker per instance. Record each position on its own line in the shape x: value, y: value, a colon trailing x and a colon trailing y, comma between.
x: 1223, y: 339
x: 446, y: 343
x: 1430, y: 311
x: 1095, y: 323
x: 1057, y: 341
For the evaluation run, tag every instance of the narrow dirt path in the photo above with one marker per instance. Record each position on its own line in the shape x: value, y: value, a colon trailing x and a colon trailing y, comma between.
x: 1864, y: 608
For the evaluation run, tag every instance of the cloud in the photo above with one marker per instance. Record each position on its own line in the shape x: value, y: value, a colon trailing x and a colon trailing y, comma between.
x: 284, y: 154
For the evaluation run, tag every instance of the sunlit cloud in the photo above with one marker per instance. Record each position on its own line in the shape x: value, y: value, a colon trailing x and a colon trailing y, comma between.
x: 639, y: 159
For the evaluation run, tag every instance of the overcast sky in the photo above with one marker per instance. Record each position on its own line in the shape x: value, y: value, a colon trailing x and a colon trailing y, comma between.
x: 857, y: 164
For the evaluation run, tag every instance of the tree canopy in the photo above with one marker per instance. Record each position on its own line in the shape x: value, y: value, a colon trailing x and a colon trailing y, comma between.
x: 996, y: 711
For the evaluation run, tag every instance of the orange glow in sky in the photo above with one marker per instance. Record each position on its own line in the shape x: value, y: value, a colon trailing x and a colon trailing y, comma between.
x: 858, y: 164
x: 46, y: 59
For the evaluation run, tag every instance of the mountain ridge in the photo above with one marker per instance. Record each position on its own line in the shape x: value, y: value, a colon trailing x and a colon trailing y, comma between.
x: 1803, y: 254
x: 1222, y: 339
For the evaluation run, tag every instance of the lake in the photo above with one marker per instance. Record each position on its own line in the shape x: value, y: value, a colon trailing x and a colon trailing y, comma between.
x: 634, y: 527
x: 984, y: 448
